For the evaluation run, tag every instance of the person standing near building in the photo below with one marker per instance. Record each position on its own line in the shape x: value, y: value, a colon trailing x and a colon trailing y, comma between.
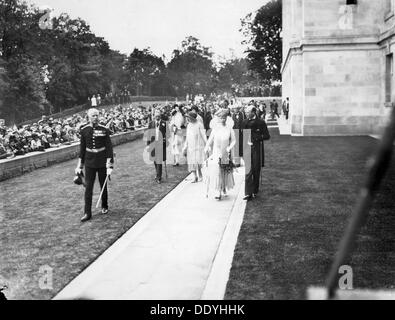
x: 275, y: 109
x: 255, y: 131
x: 96, y: 155
x: 287, y: 108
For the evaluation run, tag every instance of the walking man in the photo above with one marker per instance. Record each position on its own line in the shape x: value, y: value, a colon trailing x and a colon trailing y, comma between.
x: 96, y: 154
x: 238, y: 118
x: 255, y: 131
x: 157, y: 130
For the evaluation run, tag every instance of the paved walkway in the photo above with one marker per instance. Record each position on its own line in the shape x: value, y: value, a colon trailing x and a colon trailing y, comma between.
x: 182, y: 249
x: 284, y: 126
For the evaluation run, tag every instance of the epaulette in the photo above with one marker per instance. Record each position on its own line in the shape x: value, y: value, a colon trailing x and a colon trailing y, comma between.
x: 86, y: 125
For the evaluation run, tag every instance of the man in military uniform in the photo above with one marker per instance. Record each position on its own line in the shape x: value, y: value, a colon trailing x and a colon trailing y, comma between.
x: 255, y: 131
x: 157, y: 134
x: 96, y: 154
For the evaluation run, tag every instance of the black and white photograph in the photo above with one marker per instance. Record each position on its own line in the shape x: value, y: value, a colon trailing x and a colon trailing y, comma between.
x: 213, y: 152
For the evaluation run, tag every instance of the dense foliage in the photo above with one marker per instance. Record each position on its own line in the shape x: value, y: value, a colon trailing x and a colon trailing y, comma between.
x: 49, y: 65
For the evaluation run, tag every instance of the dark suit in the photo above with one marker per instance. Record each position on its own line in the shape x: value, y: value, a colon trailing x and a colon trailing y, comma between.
x: 95, y: 149
x: 238, y: 118
x: 255, y: 131
x: 158, y: 153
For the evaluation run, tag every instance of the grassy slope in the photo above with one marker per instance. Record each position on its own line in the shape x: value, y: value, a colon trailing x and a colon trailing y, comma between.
x: 291, y: 232
x: 41, y: 223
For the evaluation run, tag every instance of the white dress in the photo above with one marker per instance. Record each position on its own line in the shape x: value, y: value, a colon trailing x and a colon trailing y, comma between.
x: 220, y: 179
x: 194, y: 144
x: 177, y: 134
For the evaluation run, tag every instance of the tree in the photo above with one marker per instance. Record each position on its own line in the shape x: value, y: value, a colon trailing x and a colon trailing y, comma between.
x: 114, y: 77
x: 143, y: 68
x: 61, y: 65
x: 264, y: 42
x: 191, y: 69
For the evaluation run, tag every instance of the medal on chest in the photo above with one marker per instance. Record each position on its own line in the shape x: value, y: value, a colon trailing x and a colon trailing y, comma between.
x: 99, y: 133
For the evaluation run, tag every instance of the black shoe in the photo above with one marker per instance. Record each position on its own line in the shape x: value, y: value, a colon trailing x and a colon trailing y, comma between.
x: 104, y: 210
x: 86, y: 217
x: 249, y: 197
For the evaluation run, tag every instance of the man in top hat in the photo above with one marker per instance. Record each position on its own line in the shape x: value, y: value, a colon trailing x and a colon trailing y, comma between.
x: 238, y: 118
x: 96, y: 154
x: 255, y: 131
x: 157, y: 135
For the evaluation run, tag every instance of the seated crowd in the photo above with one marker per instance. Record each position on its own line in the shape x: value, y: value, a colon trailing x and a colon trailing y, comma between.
x: 49, y: 133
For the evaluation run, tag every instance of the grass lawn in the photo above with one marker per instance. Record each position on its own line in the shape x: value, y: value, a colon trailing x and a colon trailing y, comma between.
x: 40, y: 219
x: 291, y: 232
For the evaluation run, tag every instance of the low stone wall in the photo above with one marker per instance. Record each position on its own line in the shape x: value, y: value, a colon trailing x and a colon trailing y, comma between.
x: 10, y: 168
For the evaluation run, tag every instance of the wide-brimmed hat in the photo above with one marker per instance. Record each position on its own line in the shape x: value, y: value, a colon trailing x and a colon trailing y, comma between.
x: 222, y: 113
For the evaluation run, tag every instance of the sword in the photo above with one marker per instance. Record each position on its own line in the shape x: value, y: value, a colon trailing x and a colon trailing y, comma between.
x: 102, y: 190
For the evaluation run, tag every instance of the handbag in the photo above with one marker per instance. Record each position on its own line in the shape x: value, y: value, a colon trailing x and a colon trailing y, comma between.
x: 228, y: 167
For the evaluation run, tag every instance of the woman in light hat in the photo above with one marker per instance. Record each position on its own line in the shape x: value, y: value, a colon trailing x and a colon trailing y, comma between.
x: 221, y: 142
x: 177, y: 135
x: 194, y: 145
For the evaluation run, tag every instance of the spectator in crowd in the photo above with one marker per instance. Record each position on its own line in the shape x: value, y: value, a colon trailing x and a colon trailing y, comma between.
x: 3, y: 150
x: 93, y: 102
x: 274, y: 109
x: 207, y: 117
x: 286, y: 108
x: 49, y: 132
x: 261, y: 112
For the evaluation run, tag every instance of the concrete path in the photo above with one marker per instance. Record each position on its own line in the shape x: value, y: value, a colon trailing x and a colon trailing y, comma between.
x: 182, y: 249
x: 284, y: 126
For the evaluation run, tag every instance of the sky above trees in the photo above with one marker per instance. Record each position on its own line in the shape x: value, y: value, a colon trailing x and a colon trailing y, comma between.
x: 162, y: 24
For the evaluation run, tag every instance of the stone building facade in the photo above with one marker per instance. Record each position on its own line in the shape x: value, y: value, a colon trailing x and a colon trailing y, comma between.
x: 338, y: 65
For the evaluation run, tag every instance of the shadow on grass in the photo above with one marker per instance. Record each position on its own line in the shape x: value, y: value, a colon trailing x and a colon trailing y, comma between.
x: 41, y: 224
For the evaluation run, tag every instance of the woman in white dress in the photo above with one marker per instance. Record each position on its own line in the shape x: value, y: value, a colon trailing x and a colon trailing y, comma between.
x: 194, y: 145
x: 176, y: 122
x: 221, y: 141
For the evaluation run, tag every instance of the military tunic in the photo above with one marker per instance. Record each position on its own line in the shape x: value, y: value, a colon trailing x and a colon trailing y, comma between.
x: 95, y: 149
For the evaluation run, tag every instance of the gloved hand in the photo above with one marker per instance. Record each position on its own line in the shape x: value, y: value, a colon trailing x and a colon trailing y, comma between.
x: 109, y: 171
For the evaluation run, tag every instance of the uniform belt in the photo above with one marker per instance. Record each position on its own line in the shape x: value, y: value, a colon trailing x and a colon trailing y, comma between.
x: 96, y: 150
